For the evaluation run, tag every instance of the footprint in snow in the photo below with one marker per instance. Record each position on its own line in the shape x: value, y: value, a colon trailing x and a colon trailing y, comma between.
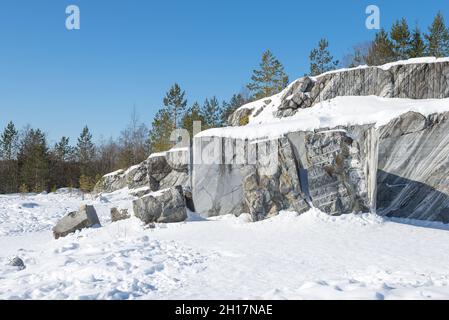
x: 67, y: 247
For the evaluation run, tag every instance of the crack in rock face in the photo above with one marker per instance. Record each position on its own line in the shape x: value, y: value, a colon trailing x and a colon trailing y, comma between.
x: 399, y: 169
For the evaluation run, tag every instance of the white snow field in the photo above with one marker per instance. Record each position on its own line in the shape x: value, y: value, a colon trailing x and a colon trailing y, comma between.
x: 311, y: 256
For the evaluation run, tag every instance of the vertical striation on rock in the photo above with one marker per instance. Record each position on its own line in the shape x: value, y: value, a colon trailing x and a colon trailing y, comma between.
x: 235, y: 176
x: 409, y: 80
x: 413, y: 179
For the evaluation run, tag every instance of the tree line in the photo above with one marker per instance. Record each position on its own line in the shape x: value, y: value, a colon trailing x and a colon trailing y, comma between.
x: 28, y: 163
x: 402, y: 43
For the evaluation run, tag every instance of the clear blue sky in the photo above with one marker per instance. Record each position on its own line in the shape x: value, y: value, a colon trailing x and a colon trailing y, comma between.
x: 130, y: 52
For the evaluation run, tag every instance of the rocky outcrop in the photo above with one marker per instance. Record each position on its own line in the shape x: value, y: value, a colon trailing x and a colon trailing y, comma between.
x: 165, y: 206
x: 118, y: 215
x: 336, y: 167
x: 159, y: 171
x: 273, y: 185
x: 86, y: 217
x: 397, y: 169
x: 169, y: 169
x: 329, y: 169
x: 134, y: 177
x: 408, y: 80
x: 111, y: 182
x: 237, y: 117
x: 413, y: 176
x: 400, y: 169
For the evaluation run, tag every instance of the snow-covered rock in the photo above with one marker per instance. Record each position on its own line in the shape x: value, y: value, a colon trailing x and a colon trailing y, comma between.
x: 85, y: 217
x: 364, y: 139
x: 18, y: 263
x: 164, y: 206
x: 421, y: 78
x: 160, y: 171
x: 397, y: 169
x: 169, y: 169
x: 118, y: 215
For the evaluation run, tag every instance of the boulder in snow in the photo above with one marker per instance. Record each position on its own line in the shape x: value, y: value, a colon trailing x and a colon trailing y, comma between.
x: 117, y: 215
x: 18, y: 263
x: 140, y: 192
x: 165, y: 206
x: 86, y: 217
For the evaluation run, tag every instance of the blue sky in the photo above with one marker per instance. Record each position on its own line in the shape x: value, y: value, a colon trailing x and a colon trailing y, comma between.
x: 130, y: 52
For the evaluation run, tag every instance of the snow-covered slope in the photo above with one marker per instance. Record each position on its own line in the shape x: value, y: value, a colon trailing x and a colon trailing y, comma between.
x: 340, y: 111
x: 420, y: 78
x: 388, y: 66
x: 286, y: 257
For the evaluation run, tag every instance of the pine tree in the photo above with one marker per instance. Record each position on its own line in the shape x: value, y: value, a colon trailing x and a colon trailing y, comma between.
x: 381, y: 50
x: 417, y: 45
x: 321, y: 60
x: 63, y: 151
x: 438, y: 38
x: 193, y: 114
x: 33, y: 160
x: 176, y: 103
x: 63, y: 164
x: 400, y: 36
x: 9, y: 142
x: 85, y: 151
x: 269, y: 79
x: 236, y: 102
x: 8, y: 157
x: 161, y: 129
x: 211, y: 113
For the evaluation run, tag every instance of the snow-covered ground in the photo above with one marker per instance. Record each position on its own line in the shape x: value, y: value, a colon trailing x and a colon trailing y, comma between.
x: 312, y: 256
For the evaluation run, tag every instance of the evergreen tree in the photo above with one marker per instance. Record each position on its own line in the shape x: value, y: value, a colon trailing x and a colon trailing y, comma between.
x: 63, y: 151
x: 85, y: 151
x: 8, y: 157
x: 417, y: 45
x: 161, y: 129
x: 381, y: 50
x: 9, y: 142
x: 33, y: 160
x: 321, y: 60
x: 400, y: 36
x: 211, y: 113
x: 236, y: 102
x: 193, y: 114
x: 63, y: 164
x: 175, y: 102
x: 269, y: 79
x: 438, y: 38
